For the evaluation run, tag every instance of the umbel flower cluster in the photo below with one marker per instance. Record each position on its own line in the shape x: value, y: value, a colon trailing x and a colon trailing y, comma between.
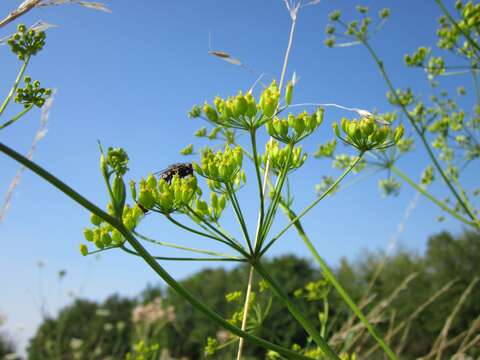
x: 32, y: 94
x: 366, y: 134
x: 167, y: 196
x: 283, y: 159
x: 241, y: 111
x: 104, y: 235
x: 25, y: 43
x: 294, y: 128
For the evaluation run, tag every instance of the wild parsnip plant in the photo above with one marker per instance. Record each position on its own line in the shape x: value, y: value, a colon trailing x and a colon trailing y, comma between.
x: 447, y: 132
x: 275, y: 135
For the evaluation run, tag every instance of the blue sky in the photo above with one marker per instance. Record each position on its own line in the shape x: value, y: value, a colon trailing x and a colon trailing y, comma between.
x: 129, y: 78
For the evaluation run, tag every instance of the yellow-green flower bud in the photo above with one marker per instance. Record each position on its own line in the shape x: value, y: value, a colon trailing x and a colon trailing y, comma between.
x: 269, y: 107
x: 210, y: 113
x: 117, y: 238
x: 106, y: 239
x: 95, y: 219
x: 335, y: 129
x: 146, y: 199
x: 202, y: 208
x: 88, y: 234
x: 83, y: 249
x: 399, y: 131
x: 240, y: 105
x: 151, y: 181
x: 289, y: 93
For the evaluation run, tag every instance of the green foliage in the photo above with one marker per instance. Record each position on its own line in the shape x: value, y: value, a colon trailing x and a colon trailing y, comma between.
x: 84, y: 325
x: 84, y: 330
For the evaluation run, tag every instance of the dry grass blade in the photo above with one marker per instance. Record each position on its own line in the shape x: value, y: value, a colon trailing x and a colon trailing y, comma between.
x: 442, y: 338
x: 417, y: 312
x: 88, y: 4
x: 471, y: 331
x: 24, y: 7
x: 41, y: 132
x: 460, y: 356
x: 375, y: 315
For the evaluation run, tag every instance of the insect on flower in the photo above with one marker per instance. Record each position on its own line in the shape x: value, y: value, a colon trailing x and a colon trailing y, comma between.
x: 180, y: 169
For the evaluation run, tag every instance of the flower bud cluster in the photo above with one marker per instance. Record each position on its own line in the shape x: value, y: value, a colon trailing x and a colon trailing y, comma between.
x: 117, y: 159
x: 418, y: 57
x: 214, y: 211
x: 221, y: 166
x: 241, y: 111
x: 103, y: 235
x: 167, y: 196
x: 389, y: 186
x: 25, y: 43
x: 326, y: 150
x: 450, y: 35
x: 32, y: 94
x: 294, y: 128
x: 283, y: 159
x: 366, y: 134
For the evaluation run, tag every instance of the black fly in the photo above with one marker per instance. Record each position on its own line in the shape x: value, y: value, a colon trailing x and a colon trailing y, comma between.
x: 180, y: 169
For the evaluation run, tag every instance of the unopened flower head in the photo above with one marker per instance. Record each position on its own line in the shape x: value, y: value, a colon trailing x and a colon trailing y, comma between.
x: 241, y: 111
x: 26, y: 42
x: 104, y: 235
x: 283, y: 159
x: 366, y: 134
x: 294, y: 128
x: 167, y: 196
x: 221, y: 166
x: 32, y: 94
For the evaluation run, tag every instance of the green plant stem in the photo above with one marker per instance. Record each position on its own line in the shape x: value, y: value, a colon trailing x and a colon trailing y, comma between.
x: 16, y: 117
x: 15, y: 85
x: 417, y: 129
x: 430, y: 197
x: 185, y: 227
x: 180, y: 247
x: 306, y: 324
x: 471, y: 41
x: 259, y: 182
x: 200, y: 306
x: 333, y: 280
x: 173, y: 258
x: 230, y: 241
x: 315, y: 202
x: 272, y: 209
x: 238, y: 213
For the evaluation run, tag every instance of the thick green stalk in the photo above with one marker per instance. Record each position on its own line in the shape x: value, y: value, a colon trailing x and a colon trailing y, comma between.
x: 16, y: 117
x: 333, y: 280
x: 432, y: 198
x: 315, y: 202
x: 417, y: 130
x: 200, y: 306
x: 15, y: 85
x: 305, y: 322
